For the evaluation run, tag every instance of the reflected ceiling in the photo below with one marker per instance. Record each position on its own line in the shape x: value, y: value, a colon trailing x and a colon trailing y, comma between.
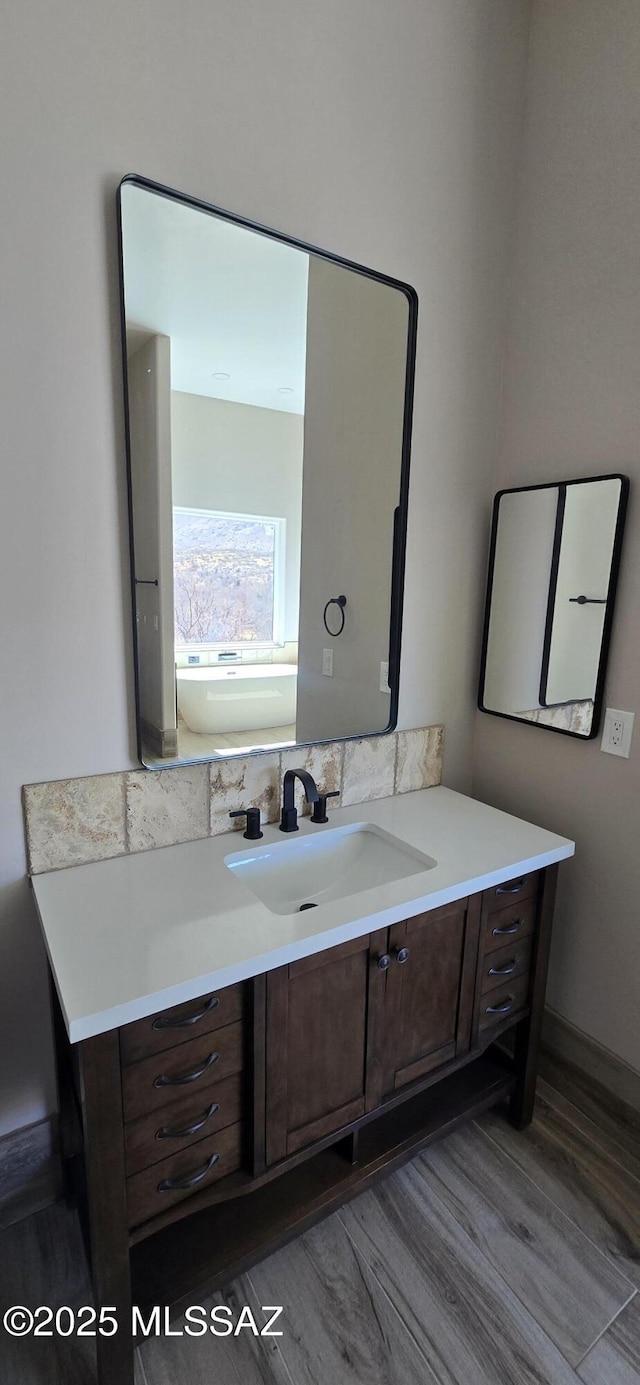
x: 231, y: 301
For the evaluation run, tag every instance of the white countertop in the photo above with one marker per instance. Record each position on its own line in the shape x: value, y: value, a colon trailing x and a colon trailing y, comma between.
x: 136, y: 934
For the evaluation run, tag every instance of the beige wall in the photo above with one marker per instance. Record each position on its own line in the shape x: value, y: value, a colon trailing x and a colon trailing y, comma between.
x: 386, y: 132
x: 571, y: 407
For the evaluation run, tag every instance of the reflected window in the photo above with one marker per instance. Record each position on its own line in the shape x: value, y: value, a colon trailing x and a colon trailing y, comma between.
x: 228, y: 575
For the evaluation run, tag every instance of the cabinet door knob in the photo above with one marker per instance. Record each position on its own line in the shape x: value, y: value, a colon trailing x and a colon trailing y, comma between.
x: 384, y: 962
x: 402, y: 955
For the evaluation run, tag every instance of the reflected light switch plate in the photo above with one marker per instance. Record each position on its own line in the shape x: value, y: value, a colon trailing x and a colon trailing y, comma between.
x: 327, y: 663
x: 617, y: 733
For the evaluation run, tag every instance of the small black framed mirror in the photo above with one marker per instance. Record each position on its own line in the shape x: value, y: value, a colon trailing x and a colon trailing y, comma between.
x: 553, y: 570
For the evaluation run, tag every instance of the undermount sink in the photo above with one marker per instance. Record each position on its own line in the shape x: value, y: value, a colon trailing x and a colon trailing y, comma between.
x: 312, y: 870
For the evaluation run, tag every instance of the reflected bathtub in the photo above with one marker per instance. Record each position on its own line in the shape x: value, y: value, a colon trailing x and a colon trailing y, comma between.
x: 233, y: 698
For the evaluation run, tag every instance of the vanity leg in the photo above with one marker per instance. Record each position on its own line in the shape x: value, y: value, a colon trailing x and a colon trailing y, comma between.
x: 527, y: 1035
x: 106, y: 1198
x: 68, y: 1138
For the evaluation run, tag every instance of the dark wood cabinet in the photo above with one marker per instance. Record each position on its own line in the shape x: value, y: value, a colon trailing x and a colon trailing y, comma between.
x: 430, y: 991
x: 316, y: 1045
x: 348, y: 1027
x: 212, y: 1132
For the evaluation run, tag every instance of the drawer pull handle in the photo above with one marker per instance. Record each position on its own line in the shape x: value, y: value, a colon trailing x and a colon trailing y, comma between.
x: 172, y: 1185
x: 384, y: 962
x: 402, y: 955
x: 506, y: 970
x: 167, y: 1134
x: 507, y: 928
x: 514, y: 888
x: 162, y: 1022
x: 501, y: 1009
x: 187, y: 1076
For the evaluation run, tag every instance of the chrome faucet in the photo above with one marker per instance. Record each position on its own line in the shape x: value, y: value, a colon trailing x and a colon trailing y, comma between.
x: 289, y: 818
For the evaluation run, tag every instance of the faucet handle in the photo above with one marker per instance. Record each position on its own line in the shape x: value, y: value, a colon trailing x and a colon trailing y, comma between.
x: 252, y: 832
x: 319, y: 813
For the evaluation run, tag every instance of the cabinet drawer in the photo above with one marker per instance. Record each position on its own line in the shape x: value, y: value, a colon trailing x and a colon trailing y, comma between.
x: 183, y: 1174
x: 510, y: 925
x: 499, y: 1004
x: 156, y: 1082
x: 521, y: 887
x: 505, y: 964
x: 181, y: 1023
x: 191, y: 1117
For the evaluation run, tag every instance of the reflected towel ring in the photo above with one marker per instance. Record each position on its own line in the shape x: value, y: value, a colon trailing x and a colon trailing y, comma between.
x: 341, y: 602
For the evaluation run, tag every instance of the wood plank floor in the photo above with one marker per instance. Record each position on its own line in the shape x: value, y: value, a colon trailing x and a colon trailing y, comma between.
x: 494, y: 1258
x: 28, y: 1175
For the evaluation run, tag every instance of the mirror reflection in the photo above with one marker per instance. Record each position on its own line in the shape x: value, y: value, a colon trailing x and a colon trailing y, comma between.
x: 268, y: 401
x: 553, y: 571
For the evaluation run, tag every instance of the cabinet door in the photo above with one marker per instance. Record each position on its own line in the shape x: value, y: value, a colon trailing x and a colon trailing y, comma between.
x: 429, y: 998
x: 317, y: 1038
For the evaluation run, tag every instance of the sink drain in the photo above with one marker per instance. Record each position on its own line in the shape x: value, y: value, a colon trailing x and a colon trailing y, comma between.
x: 306, y: 906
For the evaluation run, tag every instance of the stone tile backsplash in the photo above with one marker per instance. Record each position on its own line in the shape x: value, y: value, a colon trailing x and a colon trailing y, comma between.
x: 419, y: 761
x: 369, y: 769
x: 166, y: 808
x: 70, y: 822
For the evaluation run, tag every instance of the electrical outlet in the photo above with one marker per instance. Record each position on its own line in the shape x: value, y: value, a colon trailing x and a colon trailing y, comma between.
x: 327, y: 663
x: 617, y: 733
x: 384, y: 677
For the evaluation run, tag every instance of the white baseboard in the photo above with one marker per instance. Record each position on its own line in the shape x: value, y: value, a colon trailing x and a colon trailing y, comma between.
x: 29, y: 1170
x: 576, y: 1047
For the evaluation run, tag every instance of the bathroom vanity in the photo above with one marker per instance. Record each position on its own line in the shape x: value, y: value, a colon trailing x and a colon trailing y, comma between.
x: 230, y: 1073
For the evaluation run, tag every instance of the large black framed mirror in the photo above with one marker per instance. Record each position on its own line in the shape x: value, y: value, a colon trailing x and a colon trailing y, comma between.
x: 268, y: 396
x: 553, y: 570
